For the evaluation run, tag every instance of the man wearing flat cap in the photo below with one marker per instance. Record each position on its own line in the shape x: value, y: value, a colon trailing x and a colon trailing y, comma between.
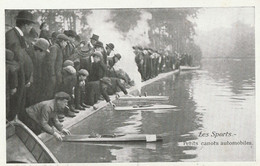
x: 114, y: 60
x: 69, y: 80
x: 55, y: 66
x: 42, y: 116
x: 80, y: 89
x: 95, y: 89
x: 98, y: 68
x: 15, y: 42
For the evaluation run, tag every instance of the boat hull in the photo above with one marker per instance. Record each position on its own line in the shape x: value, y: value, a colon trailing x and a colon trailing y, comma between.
x: 28, y: 147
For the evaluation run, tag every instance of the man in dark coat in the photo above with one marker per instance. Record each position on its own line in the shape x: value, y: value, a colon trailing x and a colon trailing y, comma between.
x: 45, y: 33
x: 85, y: 58
x: 91, y: 44
x: 56, y: 55
x: 40, y: 49
x: 116, y: 86
x: 42, y: 116
x: 69, y: 80
x: 114, y: 60
x: 95, y: 89
x: 139, y: 60
x: 98, y: 68
x: 100, y: 48
x: 80, y: 89
x: 15, y: 42
x: 70, y: 47
x: 109, y: 54
x: 11, y: 80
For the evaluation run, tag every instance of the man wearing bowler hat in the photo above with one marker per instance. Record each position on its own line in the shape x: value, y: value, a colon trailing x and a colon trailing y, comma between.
x: 15, y: 42
x: 70, y: 47
x: 93, y: 40
x: 109, y: 52
x: 95, y: 89
x: 100, y: 48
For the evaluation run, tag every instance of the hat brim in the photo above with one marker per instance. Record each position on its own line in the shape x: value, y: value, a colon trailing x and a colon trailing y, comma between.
x: 99, y: 46
x: 105, y: 82
x: 109, y: 47
x: 26, y: 20
x: 94, y: 38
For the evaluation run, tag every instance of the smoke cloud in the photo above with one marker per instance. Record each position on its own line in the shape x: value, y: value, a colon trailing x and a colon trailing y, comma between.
x: 101, y: 24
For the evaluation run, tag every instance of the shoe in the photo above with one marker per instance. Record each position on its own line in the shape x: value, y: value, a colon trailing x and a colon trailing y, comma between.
x: 70, y: 114
x: 61, y: 116
x: 80, y: 108
x: 84, y: 105
x: 72, y: 109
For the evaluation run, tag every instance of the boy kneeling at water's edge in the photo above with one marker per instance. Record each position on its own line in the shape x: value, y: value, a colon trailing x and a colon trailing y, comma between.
x: 44, y: 115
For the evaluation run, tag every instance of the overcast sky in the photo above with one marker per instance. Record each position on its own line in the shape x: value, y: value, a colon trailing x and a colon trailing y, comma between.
x: 211, y: 18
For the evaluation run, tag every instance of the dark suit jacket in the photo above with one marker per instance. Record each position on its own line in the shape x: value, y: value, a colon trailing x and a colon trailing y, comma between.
x: 85, y: 63
x: 116, y: 85
x: 69, y: 50
x: 98, y: 71
x: 16, y: 43
x: 93, y: 91
x: 56, y: 56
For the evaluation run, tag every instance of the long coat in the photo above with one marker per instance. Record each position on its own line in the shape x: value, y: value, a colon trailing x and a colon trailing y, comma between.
x: 94, y: 90
x: 38, y: 86
x: 98, y: 71
x: 85, y: 62
x: 11, y: 82
x: 56, y: 63
x: 80, y: 92
x: 16, y: 43
x: 68, y: 51
x: 69, y: 81
x: 49, y: 77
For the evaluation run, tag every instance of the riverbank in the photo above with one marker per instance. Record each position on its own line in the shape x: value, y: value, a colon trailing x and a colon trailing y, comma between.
x: 69, y: 122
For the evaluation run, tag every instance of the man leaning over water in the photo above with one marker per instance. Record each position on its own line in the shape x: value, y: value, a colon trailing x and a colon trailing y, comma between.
x: 42, y: 116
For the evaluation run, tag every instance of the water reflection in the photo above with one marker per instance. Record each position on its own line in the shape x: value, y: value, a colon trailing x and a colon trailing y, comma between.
x: 219, y: 98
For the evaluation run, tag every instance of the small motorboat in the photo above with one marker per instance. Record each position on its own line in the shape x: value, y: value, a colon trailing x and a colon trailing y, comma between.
x: 143, y: 98
x: 187, y: 68
x: 144, y: 107
x: 112, y: 138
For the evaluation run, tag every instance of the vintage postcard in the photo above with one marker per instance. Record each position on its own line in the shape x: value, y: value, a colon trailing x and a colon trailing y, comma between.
x: 145, y: 84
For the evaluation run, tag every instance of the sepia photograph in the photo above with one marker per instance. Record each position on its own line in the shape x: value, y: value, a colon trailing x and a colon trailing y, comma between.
x: 130, y: 85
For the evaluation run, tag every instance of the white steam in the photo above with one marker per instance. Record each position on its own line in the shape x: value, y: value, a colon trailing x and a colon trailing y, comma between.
x: 99, y: 22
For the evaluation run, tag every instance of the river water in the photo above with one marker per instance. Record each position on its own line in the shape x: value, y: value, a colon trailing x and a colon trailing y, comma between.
x: 218, y: 99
